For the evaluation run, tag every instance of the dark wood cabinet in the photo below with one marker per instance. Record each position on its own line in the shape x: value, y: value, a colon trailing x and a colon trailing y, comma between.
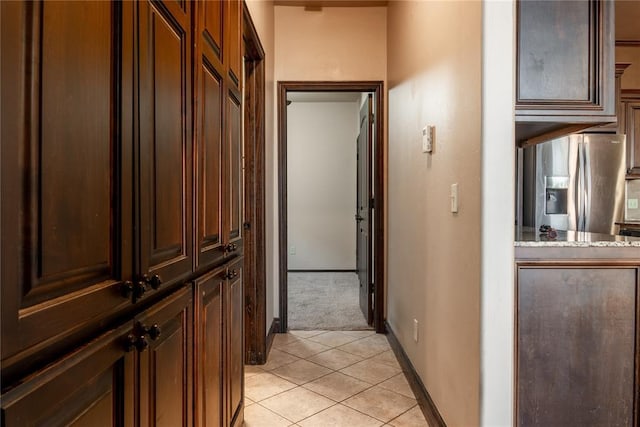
x: 209, y: 358
x: 138, y: 374
x: 233, y: 40
x: 94, y: 386
x: 122, y: 199
x: 234, y: 366
x: 631, y: 113
x: 165, y: 139
x: 165, y: 341
x: 66, y: 180
x: 577, y: 336
x: 219, y: 354
x: 218, y: 144
x: 564, y: 67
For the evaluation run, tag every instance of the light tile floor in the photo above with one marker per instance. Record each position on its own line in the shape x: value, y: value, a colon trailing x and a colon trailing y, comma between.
x: 330, y: 378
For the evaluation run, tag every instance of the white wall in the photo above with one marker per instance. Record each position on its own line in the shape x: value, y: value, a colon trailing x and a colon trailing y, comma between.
x: 498, y: 199
x: 321, y: 180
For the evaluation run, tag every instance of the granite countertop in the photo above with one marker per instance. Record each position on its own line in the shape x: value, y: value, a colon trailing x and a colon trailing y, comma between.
x: 529, y: 236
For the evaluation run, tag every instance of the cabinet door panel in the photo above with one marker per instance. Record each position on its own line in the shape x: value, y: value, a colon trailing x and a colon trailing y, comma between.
x: 234, y: 171
x: 165, y: 140
x: 209, y: 348
x: 633, y: 137
x: 209, y: 166
x: 576, y: 346
x: 212, y: 27
x: 65, y: 153
x: 233, y: 39
x: 93, y: 387
x: 165, y: 367
x: 235, y: 342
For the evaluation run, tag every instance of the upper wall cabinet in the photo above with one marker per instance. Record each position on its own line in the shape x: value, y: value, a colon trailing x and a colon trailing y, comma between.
x: 66, y: 179
x: 564, y: 68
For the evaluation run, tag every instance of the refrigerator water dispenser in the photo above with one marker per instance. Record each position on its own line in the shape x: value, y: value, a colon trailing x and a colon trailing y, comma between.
x: 557, y: 201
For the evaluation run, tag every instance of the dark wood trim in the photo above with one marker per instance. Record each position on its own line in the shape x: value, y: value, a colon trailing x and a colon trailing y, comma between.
x: 323, y: 271
x: 377, y: 87
x: 254, y: 227
x: 635, y: 43
x: 428, y: 407
x: 273, y: 330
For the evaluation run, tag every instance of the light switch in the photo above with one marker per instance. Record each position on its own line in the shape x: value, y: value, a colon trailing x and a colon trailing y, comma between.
x: 292, y: 250
x: 427, y: 139
x: 454, y: 198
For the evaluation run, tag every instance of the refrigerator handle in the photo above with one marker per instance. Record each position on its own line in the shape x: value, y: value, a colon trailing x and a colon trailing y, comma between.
x: 586, y: 184
x: 580, y: 190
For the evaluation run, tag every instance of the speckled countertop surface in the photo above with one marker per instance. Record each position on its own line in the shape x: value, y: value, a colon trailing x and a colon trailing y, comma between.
x: 528, y: 236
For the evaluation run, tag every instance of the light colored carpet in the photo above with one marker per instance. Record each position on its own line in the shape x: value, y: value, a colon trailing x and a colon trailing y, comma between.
x: 324, y: 301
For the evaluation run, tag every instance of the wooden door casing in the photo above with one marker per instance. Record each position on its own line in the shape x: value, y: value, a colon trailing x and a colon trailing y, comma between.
x: 94, y: 386
x: 165, y: 188
x: 209, y: 348
x: 65, y: 229
x: 165, y: 367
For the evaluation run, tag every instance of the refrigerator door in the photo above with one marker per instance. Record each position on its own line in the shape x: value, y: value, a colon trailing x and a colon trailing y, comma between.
x: 603, y: 174
x: 557, y: 200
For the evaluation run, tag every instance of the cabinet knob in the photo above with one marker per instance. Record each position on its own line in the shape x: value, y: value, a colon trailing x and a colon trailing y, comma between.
x: 155, y: 281
x: 139, y: 289
x: 231, y: 247
x: 130, y: 343
x: 140, y: 343
x: 126, y: 289
x: 232, y: 274
x: 153, y: 331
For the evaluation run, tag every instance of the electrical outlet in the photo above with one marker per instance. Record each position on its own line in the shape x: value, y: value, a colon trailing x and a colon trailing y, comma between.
x: 632, y: 204
x: 415, y: 330
x: 292, y: 250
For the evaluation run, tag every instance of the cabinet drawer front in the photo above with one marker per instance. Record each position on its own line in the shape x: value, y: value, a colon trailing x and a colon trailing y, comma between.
x: 92, y: 387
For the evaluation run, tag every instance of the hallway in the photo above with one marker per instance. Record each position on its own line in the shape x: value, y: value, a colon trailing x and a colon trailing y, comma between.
x: 330, y: 378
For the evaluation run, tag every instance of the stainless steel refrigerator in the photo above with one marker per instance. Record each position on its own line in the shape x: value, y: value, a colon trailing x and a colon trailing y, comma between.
x: 575, y: 183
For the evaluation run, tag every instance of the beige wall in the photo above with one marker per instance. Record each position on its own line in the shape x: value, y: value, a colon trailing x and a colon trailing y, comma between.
x: 334, y: 44
x: 262, y: 13
x: 434, y: 74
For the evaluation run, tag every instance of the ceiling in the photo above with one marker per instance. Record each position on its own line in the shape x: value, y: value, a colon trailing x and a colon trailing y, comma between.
x: 627, y: 19
x: 318, y: 4
x: 324, y: 96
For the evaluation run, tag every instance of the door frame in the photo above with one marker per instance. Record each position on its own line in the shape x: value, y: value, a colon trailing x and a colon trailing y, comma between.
x: 255, y: 327
x: 377, y: 87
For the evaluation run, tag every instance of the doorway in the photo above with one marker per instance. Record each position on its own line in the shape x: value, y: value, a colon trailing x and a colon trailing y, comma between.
x: 365, y: 219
